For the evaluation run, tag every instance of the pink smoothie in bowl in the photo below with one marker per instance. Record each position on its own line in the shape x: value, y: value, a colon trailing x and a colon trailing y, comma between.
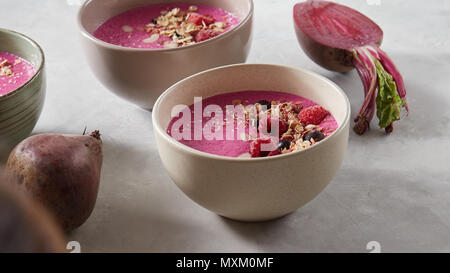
x: 165, y: 26
x: 14, y: 72
x: 251, y: 124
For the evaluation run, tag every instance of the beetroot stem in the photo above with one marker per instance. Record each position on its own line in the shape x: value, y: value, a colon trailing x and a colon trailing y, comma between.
x: 365, y: 66
x: 384, y: 89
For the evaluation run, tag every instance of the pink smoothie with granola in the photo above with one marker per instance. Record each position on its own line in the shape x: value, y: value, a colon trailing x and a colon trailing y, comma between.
x: 239, y: 124
x: 165, y: 26
x: 14, y: 72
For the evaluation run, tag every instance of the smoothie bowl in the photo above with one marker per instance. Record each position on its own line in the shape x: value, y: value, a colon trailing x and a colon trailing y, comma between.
x: 138, y: 48
x: 22, y: 86
x: 235, y: 176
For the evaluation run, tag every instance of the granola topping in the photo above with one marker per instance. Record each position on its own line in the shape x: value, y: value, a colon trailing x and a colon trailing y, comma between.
x: 5, y: 68
x: 127, y: 28
x: 183, y: 27
x: 293, y: 139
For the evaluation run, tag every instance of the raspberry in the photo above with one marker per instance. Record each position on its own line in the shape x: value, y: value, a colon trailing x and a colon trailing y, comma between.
x: 255, y: 147
x: 206, y: 34
x: 198, y: 19
x: 312, y: 115
x: 275, y: 152
x: 265, y: 126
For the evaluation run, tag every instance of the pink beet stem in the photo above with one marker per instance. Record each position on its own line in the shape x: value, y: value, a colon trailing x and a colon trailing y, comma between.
x: 365, y: 66
x: 364, y: 61
x: 368, y: 67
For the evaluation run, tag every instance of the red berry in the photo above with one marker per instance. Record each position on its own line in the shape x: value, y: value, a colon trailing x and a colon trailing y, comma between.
x: 255, y: 147
x: 206, y: 34
x: 198, y: 19
x: 312, y: 115
x: 275, y: 152
x: 265, y: 126
x: 282, y: 127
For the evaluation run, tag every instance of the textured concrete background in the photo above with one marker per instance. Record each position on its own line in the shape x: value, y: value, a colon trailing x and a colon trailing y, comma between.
x: 391, y: 189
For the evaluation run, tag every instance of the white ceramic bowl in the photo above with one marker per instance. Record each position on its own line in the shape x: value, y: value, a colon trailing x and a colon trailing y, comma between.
x: 141, y: 75
x: 254, y: 189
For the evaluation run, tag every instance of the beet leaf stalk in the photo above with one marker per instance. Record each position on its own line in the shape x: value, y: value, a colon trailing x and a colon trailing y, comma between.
x: 384, y: 89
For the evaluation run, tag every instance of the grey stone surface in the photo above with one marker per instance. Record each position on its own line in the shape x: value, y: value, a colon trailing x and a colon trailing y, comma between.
x: 391, y: 189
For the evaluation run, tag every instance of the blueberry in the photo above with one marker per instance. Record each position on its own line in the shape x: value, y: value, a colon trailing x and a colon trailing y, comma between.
x: 155, y: 21
x: 266, y: 103
x: 284, y: 144
x: 316, y: 135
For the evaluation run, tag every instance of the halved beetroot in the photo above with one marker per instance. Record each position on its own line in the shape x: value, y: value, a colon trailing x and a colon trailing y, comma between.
x: 340, y: 38
x: 328, y: 33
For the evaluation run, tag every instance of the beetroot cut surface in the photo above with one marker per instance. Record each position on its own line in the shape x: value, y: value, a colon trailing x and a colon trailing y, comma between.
x: 335, y: 25
x: 337, y: 28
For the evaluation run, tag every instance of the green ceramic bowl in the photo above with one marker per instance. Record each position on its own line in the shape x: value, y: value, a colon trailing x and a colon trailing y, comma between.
x: 21, y: 108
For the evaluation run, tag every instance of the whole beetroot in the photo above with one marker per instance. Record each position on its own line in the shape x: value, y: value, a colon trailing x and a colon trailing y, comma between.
x: 62, y: 172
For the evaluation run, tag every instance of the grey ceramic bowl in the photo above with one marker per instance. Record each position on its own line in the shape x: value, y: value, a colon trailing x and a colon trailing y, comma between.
x: 141, y: 75
x: 253, y: 189
x: 21, y: 108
